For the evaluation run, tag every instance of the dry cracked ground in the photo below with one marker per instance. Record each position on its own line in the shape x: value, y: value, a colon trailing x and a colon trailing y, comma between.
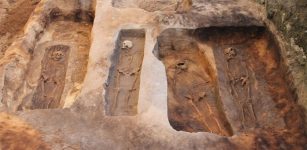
x: 147, y: 74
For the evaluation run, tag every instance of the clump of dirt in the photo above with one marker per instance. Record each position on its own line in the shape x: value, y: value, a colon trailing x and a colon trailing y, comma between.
x: 15, y: 134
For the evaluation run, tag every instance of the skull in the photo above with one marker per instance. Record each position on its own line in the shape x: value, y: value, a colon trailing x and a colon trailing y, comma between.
x: 182, y: 66
x: 230, y: 52
x: 127, y: 44
x: 57, y: 55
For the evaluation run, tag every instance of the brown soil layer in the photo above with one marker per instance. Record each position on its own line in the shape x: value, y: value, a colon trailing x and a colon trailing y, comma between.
x: 12, y: 25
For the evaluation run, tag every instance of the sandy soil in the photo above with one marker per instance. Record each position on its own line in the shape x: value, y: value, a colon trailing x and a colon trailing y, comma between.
x: 15, y: 18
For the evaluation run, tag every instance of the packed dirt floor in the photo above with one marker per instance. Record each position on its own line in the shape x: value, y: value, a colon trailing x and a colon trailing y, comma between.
x: 136, y: 74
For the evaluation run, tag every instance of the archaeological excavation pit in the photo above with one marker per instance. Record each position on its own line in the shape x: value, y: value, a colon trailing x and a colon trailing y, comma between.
x: 59, y: 61
x: 226, y: 80
x: 122, y: 89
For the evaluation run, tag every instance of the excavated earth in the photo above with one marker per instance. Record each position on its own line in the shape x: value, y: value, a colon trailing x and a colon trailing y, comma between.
x: 136, y: 74
x: 13, y: 17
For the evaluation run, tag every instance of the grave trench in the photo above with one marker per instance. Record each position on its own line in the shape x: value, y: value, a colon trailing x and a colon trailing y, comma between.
x: 123, y: 84
x: 62, y: 56
x: 193, y: 98
x: 242, y: 86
